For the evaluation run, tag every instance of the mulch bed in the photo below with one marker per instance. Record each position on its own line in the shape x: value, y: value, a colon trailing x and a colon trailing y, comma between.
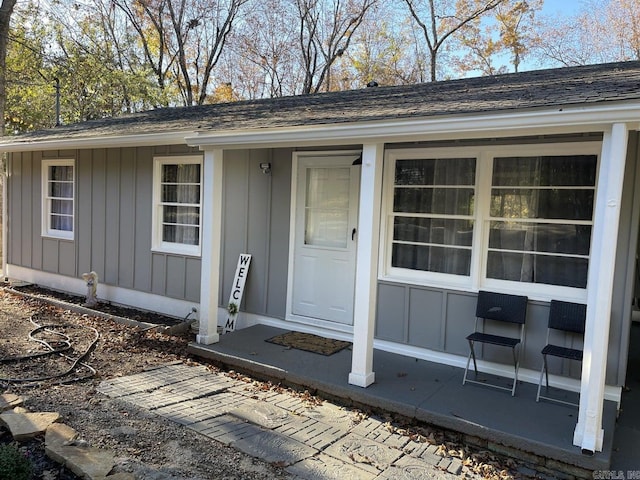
x: 102, y: 306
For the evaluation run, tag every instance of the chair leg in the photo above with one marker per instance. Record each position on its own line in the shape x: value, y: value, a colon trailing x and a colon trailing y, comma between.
x: 516, y: 365
x: 546, y: 370
x: 542, y: 372
x: 473, y: 355
x: 475, y: 367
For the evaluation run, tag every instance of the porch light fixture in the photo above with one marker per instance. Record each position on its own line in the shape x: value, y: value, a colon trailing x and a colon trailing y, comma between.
x: 266, y: 168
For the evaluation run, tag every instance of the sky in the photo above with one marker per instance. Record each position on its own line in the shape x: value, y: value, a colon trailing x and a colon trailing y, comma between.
x: 564, y: 7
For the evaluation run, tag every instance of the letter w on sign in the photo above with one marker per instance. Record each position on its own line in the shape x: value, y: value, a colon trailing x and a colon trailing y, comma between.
x: 237, y: 289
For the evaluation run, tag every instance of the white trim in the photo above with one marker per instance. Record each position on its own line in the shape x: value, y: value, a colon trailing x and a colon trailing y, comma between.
x: 97, y: 141
x: 5, y: 222
x: 211, y: 220
x: 157, y: 244
x: 367, y: 251
x: 589, y: 433
x: 46, y: 230
x: 118, y: 295
x: 484, y: 160
x: 560, y: 119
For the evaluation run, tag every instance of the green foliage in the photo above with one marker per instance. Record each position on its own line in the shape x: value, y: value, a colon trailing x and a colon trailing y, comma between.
x: 14, y: 465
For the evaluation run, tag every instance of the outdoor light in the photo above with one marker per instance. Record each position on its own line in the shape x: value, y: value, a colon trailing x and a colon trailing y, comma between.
x: 265, y: 167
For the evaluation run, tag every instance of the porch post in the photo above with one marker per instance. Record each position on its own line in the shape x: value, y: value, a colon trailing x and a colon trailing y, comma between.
x: 211, y: 239
x: 589, y: 433
x: 364, y: 310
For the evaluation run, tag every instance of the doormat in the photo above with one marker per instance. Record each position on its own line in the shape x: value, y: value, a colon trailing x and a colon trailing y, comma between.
x: 309, y: 343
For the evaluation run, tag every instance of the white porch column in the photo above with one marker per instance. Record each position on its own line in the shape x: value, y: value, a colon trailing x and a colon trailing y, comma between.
x: 211, y: 240
x: 589, y: 433
x: 5, y: 230
x: 364, y: 310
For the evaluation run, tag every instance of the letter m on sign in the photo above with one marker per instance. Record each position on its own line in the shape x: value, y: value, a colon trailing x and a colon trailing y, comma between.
x: 237, y: 289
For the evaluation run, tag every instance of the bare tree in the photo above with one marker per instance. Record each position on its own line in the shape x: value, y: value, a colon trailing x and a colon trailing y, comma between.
x: 384, y: 50
x: 183, y: 39
x: 602, y: 31
x: 265, y: 46
x: 439, y: 20
x: 326, y: 29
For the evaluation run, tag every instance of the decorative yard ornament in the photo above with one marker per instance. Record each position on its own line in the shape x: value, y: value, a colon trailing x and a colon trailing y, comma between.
x: 92, y: 287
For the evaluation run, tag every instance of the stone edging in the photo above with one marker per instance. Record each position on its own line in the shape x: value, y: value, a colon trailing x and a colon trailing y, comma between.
x: 62, y: 443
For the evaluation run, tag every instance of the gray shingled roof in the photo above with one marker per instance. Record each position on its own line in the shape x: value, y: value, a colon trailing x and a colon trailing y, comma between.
x: 590, y: 84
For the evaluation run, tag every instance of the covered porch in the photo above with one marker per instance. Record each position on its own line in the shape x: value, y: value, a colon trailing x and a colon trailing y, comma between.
x: 539, y: 433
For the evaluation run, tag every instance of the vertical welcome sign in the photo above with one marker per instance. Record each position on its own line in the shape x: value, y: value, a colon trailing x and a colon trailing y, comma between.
x: 233, y: 308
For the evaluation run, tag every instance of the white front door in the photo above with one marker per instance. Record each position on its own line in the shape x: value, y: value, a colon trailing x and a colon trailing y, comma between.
x: 325, y: 237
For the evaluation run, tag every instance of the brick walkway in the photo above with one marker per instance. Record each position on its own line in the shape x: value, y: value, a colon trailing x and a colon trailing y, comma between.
x: 312, y: 441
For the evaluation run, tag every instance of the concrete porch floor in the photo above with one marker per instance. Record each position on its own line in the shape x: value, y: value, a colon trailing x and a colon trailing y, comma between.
x: 423, y: 390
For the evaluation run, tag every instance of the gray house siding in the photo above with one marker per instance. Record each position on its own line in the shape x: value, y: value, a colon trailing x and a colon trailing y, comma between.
x: 256, y: 221
x: 113, y: 208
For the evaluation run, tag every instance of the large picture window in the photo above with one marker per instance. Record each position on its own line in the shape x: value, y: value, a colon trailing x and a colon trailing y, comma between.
x: 178, y: 203
x: 495, y: 217
x: 58, y: 178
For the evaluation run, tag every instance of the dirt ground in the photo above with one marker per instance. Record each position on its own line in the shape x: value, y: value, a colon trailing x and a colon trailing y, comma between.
x: 146, y: 445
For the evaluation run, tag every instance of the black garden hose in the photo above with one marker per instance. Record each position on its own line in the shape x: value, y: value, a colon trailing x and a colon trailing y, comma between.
x: 57, y: 347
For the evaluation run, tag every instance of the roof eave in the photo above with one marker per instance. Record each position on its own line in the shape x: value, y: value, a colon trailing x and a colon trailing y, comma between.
x: 97, y: 141
x: 563, y: 119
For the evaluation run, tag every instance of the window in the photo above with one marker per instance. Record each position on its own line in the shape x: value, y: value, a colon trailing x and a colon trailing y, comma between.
x: 178, y: 202
x: 433, y: 214
x: 58, y: 198
x: 492, y: 216
x: 540, y: 219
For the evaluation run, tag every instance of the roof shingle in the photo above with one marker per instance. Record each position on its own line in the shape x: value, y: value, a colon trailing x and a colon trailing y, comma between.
x: 614, y: 82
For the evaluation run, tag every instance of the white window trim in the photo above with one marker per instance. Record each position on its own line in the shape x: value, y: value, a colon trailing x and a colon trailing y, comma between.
x: 47, y: 231
x: 477, y: 279
x: 157, y: 245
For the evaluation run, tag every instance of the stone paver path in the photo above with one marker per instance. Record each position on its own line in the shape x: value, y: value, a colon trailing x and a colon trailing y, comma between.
x: 311, y: 441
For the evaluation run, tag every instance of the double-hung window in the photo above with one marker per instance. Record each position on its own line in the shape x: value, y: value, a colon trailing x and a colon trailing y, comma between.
x: 177, y: 204
x: 58, y: 179
x: 540, y: 219
x: 433, y: 203
x: 492, y: 217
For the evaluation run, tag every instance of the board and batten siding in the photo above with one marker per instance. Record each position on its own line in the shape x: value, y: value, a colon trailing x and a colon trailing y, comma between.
x: 113, y: 206
x: 256, y: 221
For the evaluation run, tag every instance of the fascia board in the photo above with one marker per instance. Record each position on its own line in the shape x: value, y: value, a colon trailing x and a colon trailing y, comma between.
x: 98, y: 141
x: 503, y: 124
x: 498, y: 124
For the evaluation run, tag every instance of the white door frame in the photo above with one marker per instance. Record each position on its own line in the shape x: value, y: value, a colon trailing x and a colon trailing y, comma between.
x: 290, y: 316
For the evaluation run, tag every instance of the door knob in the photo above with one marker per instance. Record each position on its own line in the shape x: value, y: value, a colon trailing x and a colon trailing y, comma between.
x: 353, y: 233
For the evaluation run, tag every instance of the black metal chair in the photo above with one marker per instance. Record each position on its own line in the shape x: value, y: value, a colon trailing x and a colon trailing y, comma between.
x: 566, y: 317
x: 504, y: 309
